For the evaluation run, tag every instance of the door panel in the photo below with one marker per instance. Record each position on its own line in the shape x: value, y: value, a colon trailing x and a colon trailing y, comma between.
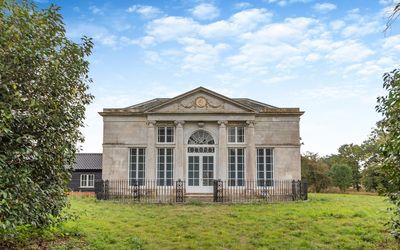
x: 208, y: 170
x: 193, y: 170
x: 200, y: 173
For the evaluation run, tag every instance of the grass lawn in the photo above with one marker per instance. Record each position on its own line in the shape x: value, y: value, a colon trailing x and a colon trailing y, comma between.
x: 328, y: 221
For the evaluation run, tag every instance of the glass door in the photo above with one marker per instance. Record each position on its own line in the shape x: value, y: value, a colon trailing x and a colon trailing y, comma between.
x: 200, y: 173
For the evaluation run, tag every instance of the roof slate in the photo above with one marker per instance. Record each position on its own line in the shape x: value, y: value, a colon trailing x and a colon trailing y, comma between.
x: 88, y: 161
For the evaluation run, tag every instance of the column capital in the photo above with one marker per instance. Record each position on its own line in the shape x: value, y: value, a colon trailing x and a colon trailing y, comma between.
x: 151, y: 123
x: 179, y: 124
x: 222, y: 123
x: 250, y: 123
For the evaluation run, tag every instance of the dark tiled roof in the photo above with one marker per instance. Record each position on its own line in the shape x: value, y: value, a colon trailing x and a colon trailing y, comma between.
x: 259, y: 106
x: 88, y: 161
x: 148, y: 104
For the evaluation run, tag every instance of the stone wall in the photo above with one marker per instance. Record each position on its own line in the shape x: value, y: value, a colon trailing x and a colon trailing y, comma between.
x: 278, y: 132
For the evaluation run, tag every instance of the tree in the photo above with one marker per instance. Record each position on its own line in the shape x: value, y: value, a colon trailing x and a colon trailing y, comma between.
x: 389, y: 144
x: 351, y: 155
x: 373, y: 176
x: 341, y: 176
x: 315, y: 171
x: 393, y: 16
x: 43, y: 84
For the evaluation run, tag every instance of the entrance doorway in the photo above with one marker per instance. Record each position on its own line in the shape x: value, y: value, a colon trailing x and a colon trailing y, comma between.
x: 200, y: 162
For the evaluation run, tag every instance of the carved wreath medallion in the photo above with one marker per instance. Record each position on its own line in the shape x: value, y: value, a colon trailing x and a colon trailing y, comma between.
x: 201, y: 102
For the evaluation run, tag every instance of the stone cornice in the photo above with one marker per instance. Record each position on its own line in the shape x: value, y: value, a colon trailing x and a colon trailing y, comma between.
x: 289, y: 112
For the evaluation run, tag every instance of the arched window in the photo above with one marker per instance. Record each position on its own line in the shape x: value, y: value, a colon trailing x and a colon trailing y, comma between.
x: 201, y: 137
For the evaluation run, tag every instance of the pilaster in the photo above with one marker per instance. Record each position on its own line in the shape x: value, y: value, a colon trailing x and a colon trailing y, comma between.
x: 251, y: 152
x: 179, y: 151
x: 222, y: 167
x: 151, y: 151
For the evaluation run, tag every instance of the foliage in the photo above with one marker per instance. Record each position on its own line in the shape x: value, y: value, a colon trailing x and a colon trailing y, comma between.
x: 350, y: 155
x: 374, y: 179
x: 389, y: 107
x: 341, y: 176
x: 393, y: 16
x: 326, y: 221
x: 43, y: 85
x: 315, y: 171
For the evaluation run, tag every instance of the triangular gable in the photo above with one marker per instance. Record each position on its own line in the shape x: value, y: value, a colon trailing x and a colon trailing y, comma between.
x: 201, y: 100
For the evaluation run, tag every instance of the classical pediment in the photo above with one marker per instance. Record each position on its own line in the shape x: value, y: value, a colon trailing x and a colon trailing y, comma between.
x: 201, y: 100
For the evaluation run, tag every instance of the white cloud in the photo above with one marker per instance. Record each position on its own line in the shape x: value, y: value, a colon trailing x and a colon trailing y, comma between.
x: 313, y: 57
x: 145, y: 11
x: 277, y: 44
x: 100, y: 35
x: 387, y: 2
x: 290, y: 30
x: 95, y: 10
x: 259, y: 57
x: 292, y: 44
x: 171, y: 28
x: 260, y: 46
x: 392, y: 42
x: 175, y: 27
x: 287, y: 2
x: 349, y: 51
x: 152, y: 57
x: 239, y: 23
x: 242, y: 5
x: 337, y: 25
x: 199, y: 55
x: 371, y: 67
x: 143, y: 42
x: 335, y: 92
x: 362, y: 28
x: 205, y: 11
x: 354, y: 24
x: 279, y: 79
x: 324, y: 7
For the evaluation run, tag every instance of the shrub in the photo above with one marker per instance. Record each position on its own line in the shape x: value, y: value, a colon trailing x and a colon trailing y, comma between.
x: 43, y: 84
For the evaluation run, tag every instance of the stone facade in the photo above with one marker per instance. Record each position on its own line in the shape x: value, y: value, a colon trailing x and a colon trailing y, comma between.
x: 265, y: 126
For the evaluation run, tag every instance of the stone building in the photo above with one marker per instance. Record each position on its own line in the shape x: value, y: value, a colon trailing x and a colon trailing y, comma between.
x: 200, y: 136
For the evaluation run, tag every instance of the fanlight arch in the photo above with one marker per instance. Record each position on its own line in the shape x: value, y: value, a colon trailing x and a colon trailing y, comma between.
x: 201, y: 137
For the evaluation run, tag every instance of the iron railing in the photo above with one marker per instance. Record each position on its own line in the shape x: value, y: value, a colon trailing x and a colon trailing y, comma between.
x: 148, y: 191
x: 258, y: 191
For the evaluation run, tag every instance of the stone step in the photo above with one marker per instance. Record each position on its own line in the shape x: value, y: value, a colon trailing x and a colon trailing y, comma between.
x: 199, y: 197
x: 199, y: 194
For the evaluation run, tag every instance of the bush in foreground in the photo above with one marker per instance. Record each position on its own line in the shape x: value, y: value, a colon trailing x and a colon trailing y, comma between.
x: 43, y: 85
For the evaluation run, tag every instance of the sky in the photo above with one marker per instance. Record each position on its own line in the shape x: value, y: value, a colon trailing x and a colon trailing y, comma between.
x: 325, y: 57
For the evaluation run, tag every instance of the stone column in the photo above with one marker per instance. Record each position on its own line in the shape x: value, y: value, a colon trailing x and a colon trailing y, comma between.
x: 251, y: 152
x: 179, y: 152
x: 221, y: 171
x: 151, y: 151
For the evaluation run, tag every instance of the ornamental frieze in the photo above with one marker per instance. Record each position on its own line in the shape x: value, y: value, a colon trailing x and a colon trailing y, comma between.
x: 200, y: 102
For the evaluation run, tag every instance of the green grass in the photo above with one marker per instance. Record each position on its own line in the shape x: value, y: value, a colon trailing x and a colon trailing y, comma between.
x: 326, y: 221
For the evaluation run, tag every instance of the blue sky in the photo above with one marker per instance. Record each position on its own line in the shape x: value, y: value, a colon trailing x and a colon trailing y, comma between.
x: 326, y: 57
